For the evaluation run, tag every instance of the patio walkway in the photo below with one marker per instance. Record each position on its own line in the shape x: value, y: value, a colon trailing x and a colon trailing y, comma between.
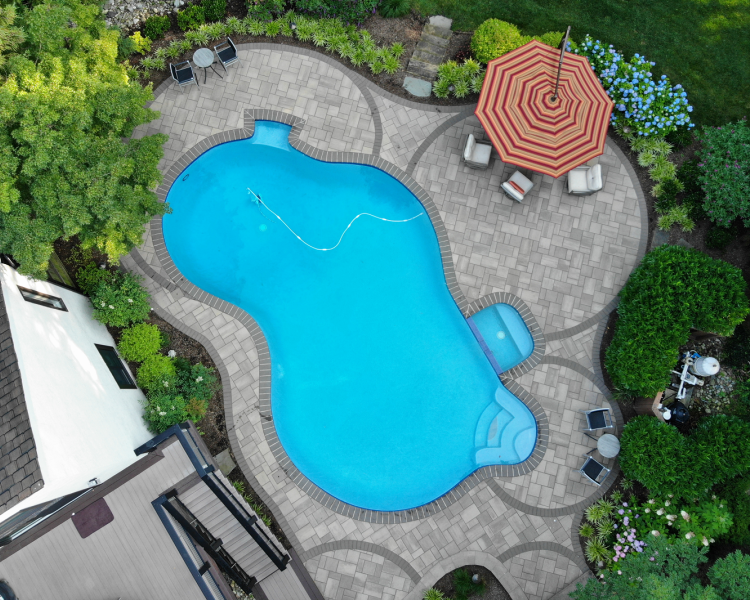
x: 565, y: 257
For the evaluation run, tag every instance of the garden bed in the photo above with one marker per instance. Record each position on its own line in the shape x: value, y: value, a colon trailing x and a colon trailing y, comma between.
x: 212, y: 426
x: 493, y: 589
x: 405, y: 30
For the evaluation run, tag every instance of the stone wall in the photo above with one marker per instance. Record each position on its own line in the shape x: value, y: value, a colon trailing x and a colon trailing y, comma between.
x: 130, y: 14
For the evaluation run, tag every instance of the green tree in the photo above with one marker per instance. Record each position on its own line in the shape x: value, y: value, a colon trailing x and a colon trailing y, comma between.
x: 731, y: 576
x: 65, y: 108
x: 10, y: 37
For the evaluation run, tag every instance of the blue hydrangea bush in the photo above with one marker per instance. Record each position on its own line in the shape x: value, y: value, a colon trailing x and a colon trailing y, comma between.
x: 646, y: 106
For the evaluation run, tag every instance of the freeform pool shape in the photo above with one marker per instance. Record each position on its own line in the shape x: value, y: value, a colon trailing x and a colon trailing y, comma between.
x: 378, y: 387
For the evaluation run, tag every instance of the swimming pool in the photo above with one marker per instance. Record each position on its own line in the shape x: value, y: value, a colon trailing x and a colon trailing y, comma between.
x: 379, y: 388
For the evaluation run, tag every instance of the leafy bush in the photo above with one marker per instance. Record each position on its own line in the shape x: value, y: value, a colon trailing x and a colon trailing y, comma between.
x: 459, y: 80
x: 162, y: 410
x: 90, y: 276
x: 646, y: 106
x: 197, y: 384
x: 464, y: 586
x: 666, y: 462
x: 394, y: 8
x: 672, y: 290
x: 155, y: 27
x: 433, y: 594
x: 191, y: 18
x: 139, y: 342
x: 736, y: 350
x: 551, y: 38
x: 731, y: 576
x: 719, y: 238
x: 157, y: 374
x: 725, y: 172
x: 214, y: 10
x: 142, y: 44
x: 667, y: 189
x: 125, y: 48
x: 677, y: 215
x: 738, y: 500
x: 680, y: 137
x: 494, y: 38
x: 264, y: 10
x: 120, y: 300
x: 349, y: 11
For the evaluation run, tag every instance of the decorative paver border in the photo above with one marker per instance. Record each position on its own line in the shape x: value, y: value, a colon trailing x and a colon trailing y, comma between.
x: 540, y: 344
x: 401, y: 563
x: 264, y: 356
x: 571, y: 555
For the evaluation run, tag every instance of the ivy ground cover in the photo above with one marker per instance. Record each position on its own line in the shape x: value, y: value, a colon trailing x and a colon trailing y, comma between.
x: 695, y: 43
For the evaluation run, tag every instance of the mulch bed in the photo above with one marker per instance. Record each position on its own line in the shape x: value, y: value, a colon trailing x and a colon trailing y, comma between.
x: 493, y: 589
x: 406, y: 30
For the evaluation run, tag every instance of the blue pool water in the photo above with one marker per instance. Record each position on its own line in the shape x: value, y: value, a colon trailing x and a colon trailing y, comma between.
x: 380, y: 393
x: 506, y: 334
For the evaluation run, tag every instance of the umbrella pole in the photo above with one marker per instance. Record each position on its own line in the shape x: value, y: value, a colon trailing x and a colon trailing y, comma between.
x: 559, y: 66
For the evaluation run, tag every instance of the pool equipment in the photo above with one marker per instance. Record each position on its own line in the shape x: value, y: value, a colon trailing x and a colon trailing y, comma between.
x: 694, y: 366
x: 260, y: 202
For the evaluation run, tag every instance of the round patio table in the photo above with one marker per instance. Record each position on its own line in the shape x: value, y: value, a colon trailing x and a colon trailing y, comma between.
x: 204, y: 59
x: 608, y: 445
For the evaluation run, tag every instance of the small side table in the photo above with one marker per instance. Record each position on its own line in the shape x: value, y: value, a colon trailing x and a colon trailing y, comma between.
x: 204, y: 59
x: 608, y: 445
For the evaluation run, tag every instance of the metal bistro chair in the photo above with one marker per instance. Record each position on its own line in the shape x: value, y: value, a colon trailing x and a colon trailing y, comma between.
x: 597, y: 419
x: 227, y: 53
x: 183, y: 74
x: 592, y: 470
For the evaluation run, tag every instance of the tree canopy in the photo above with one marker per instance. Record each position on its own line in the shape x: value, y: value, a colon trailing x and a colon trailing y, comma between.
x: 66, y: 106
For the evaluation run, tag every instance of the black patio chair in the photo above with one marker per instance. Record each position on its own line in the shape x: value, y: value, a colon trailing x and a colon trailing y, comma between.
x: 227, y: 53
x: 592, y: 470
x: 183, y: 74
x: 597, y: 419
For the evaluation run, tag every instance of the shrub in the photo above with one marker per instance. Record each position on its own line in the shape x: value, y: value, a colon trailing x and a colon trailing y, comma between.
x: 351, y: 11
x: 157, y: 374
x: 90, y: 276
x: 463, y: 78
x: 394, y: 8
x: 125, y: 48
x: 139, y: 342
x: 264, y: 10
x: 725, y: 172
x: 646, y: 106
x: 677, y: 215
x: 667, y: 189
x: 191, y: 18
x: 433, y: 594
x: 718, y: 238
x: 214, y: 10
x: 680, y: 137
x: 120, y: 300
x: 197, y: 384
x: 738, y: 500
x: 142, y: 44
x: 666, y: 462
x: 551, y: 38
x: 162, y: 410
x: 494, y: 38
x: 672, y: 290
x: 464, y: 586
x: 736, y: 350
x: 155, y: 27
x: 731, y: 576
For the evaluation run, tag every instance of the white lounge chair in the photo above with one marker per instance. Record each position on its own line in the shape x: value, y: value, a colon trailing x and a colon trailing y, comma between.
x: 584, y: 181
x: 476, y: 154
x: 517, y: 186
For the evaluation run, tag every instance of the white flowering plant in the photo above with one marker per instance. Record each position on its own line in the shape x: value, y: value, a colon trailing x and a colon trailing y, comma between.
x: 163, y: 409
x: 120, y: 300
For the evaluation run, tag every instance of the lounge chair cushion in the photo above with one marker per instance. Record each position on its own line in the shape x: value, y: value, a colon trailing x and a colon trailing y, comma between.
x: 595, y: 178
x: 470, y: 144
x: 577, y: 181
x: 481, y: 154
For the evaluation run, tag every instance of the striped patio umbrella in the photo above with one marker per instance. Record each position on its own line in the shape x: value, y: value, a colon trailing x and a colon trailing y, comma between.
x: 531, y: 130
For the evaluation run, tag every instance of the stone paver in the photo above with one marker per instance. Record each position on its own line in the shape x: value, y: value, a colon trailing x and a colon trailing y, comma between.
x: 565, y: 257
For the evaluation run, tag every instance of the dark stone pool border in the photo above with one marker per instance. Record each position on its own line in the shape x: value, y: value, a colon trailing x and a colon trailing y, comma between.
x: 264, y: 356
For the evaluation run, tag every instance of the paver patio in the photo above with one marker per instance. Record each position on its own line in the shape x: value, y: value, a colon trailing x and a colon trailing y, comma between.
x: 565, y: 257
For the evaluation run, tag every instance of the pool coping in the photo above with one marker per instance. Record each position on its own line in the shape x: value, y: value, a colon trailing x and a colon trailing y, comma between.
x: 264, y: 356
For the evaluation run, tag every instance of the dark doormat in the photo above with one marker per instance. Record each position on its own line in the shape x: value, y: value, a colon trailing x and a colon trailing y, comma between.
x: 92, y: 518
